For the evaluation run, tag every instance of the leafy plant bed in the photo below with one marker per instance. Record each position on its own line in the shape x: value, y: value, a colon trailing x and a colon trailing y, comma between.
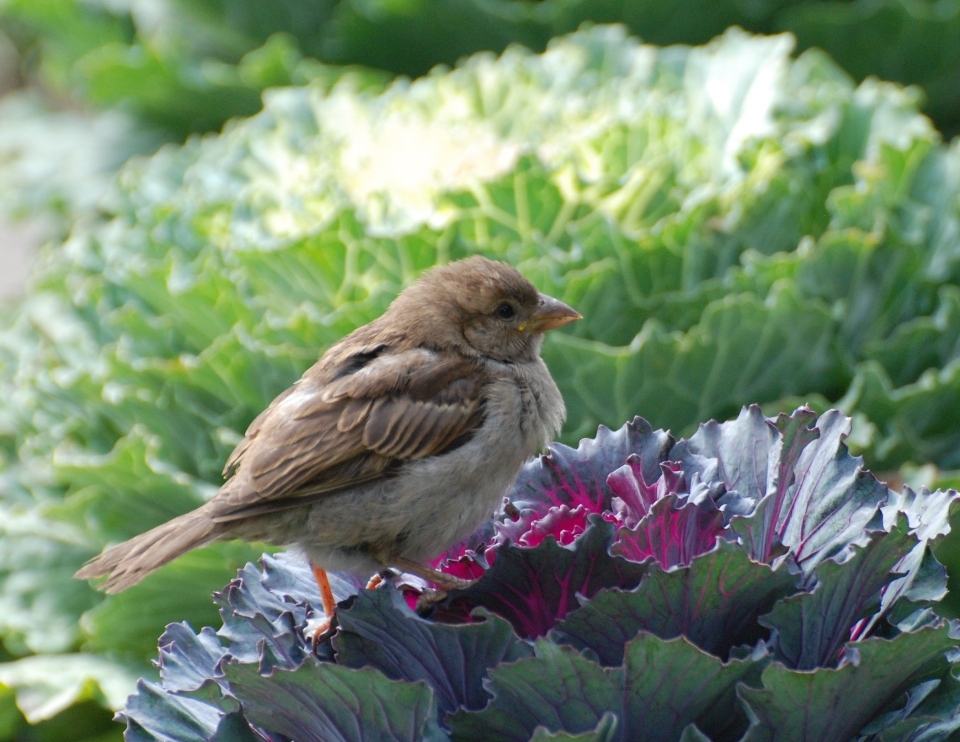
x: 783, y: 237
x: 751, y: 583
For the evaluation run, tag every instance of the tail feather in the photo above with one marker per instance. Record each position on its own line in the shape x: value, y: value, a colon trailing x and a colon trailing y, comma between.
x: 126, y: 564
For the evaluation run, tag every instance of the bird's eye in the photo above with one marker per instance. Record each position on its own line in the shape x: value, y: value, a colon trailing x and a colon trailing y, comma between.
x: 505, y: 311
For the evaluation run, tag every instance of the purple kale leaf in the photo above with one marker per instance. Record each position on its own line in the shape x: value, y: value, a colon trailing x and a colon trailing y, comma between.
x: 752, y: 456
x: 671, y: 533
x: 532, y: 588
x: 563, y: 523
x: 572, y: 477
x: 819, y: 499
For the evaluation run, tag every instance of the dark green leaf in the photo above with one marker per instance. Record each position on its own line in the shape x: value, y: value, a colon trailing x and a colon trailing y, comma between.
x: 661, y: 689
x: 830, y: 705
x: 335, y: 704
x: 603, y: 733
x: 714, y: 604
x: 812, y: 628
x: 557, y: 690
x: 379, y: 630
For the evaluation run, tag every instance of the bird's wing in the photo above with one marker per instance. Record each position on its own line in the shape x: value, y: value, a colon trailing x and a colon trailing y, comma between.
x: 315, y: 438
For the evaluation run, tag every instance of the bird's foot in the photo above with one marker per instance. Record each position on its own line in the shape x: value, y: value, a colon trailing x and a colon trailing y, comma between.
x: 378, y: 579
x: 428, y: 599
x: 442, y: 580
x: 316, y: 628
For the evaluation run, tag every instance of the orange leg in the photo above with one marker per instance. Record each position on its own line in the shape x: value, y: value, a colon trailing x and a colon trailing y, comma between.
x: 374, y: 582
x: 326, y: 598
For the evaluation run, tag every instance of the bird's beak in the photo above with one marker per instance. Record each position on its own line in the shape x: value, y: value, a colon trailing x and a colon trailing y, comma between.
x: 552, y: 314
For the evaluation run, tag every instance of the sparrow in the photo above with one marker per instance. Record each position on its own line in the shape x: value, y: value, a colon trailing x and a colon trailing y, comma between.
x: 397, y: 444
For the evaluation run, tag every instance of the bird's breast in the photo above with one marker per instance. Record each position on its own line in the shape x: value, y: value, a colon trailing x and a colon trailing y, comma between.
x: 448, y: 496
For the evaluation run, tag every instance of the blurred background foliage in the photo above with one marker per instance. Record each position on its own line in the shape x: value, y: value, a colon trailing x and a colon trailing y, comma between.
x: 187, y: 66
x: 736, y: 228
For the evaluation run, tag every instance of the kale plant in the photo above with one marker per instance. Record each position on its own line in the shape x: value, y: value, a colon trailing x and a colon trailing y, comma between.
x: 169, y: 68
x: 751, y: 583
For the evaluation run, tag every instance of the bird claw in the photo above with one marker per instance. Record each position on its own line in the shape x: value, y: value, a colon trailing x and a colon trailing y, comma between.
x: 447, y: 583
x: 316, y: 628
x: 429, y: 598
x: 379, y: 578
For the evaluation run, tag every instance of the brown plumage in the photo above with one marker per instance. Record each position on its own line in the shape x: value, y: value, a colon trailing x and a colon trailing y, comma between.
x: 397, y: 443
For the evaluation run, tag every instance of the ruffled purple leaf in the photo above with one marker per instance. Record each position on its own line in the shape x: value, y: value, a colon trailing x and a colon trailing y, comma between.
x: 714, y: 604
x: 825, y: 506
x: 532, y: 588
x: 258, y: 625
x: 634, y: 498
x: 832, y: 500
x: 264, y: 614
x: 566, y: 525
x: 793, y: 487
x: 752, y: 456
x: 194, y: 699
x: 572, y: 477
x: 923, y: 580
x: 928, y: 513
x: 470, y: 565
x: 671, y: 533
x: 474, y: 544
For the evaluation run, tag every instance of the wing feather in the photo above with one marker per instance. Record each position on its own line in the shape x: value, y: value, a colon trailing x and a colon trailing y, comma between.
x: 318, y: 438
x: 354, y: 414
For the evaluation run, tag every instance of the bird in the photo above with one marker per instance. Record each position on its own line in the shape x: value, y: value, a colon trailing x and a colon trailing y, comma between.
x: 396, y: 445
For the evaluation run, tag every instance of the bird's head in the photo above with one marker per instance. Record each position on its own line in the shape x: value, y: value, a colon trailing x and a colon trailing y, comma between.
x: 484, y: 308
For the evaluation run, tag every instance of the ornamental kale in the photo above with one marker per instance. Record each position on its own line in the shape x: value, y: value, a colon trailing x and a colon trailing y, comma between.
x: 751, y: 583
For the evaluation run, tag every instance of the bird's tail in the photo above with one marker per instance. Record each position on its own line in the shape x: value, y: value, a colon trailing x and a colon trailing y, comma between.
x: 126, y: 564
